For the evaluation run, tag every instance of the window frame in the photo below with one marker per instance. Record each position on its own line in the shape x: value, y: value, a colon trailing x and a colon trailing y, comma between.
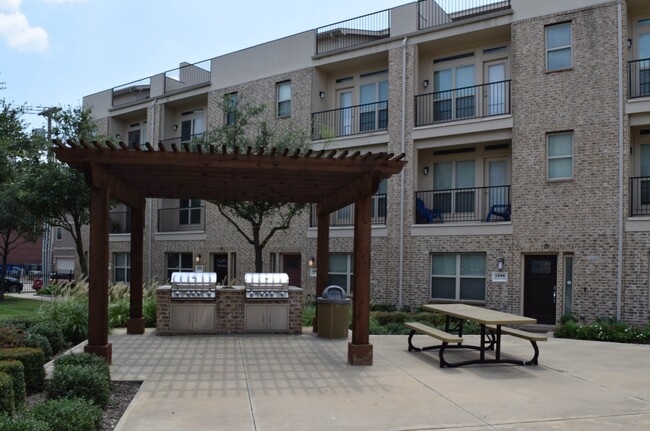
x: 126, y: 267
x: 180, y: 268
x: 548, y: 50
x: 188, y: 211
x: 549, y: 158
x: 348, y: 273
x: 230, y: 117
x: 280, y: 101
x: 458, y: 277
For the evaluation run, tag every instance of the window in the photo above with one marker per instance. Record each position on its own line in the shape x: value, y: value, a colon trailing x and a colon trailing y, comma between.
x: 189, y: 211
x: 231, y: 101
x: 454, y: 93
x: 122, y: 267
x: 179, y: 262
x: 341, y: 270
x: 374, y: 106
x: 59, y: 233
x: 454, y: 183
x: 458, y: 276
x: 558, y: 46
x: 560, y: 156
x: 192, y: 125
x: 284, y: 98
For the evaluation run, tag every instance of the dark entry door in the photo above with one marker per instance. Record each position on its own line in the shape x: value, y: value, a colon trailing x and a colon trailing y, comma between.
x: 220, y: 265
x: 291, y: 265
x: 540, y: 285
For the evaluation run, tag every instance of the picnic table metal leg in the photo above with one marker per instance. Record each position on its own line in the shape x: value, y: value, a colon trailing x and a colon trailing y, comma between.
x: 482, y: 342
x: 498, y: 347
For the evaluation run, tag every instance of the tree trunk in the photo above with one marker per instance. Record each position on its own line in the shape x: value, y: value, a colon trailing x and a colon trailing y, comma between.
x: 4, y: 269
x: 83, y: 266
x: 258, y: 248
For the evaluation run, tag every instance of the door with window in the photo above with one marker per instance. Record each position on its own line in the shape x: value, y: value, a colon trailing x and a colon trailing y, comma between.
x: 540, y: 288
x: 454, y: 93
x: 192, y: 125
x: 643, y: 56
x: 344, y: 98
x: 220, y: 266
x: 496, y: 90
x: 640, y: 186
x: 292, y: 267
x: 497, y: 178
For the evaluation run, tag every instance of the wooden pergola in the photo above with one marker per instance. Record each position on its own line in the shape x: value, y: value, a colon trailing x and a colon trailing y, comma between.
x: 329, y: 179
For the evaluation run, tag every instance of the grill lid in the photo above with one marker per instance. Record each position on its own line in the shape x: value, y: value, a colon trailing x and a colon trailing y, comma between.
x: 266, y: 280
x: 194, y: 280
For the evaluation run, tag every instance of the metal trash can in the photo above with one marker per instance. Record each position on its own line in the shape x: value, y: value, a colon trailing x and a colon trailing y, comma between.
x: 333, y: 313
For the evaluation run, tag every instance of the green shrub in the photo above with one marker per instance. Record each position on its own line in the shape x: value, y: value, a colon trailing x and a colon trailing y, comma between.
x: 12, y: 336
x: 22, y: 423
x: 22, y: 322
x: 40, y: 342
x: 71, y: 314
x: 73, y: 414
x: 33, y: 361
x: 118, y: 313
x: 16, y: 371
x: 149, y: 311
x: 308, y: 314
x: 6, y: 394
x: 53, y: 332
x: 80, y: 381
x: 85, y: 359
x: 383, y: 307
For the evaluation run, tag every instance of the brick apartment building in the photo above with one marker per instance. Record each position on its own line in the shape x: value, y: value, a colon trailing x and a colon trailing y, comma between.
x: 526, y: 126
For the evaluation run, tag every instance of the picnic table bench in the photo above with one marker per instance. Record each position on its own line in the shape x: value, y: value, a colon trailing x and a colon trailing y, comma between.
x: 443, y: 336
x: 530, y: 336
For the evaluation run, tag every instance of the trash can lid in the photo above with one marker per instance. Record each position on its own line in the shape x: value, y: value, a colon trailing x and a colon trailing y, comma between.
x: 333, y: 295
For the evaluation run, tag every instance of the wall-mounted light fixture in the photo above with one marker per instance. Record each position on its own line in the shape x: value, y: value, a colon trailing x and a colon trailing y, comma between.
x: 175, y: 127
x: 197, y: 259
x: 629, y: 43
x: 425, y: 170
x: 500, y: 263
x: 322, y: 94
x: 425, y: 83
x: 312, y: 261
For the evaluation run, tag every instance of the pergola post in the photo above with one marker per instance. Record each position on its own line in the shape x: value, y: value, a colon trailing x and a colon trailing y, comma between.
x: 322, y: 258
x: 360, y: 349
x: 135, y: 324
x: 98, y: 282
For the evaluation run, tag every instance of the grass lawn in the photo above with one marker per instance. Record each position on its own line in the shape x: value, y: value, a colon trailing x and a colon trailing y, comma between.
x: 12, y: 306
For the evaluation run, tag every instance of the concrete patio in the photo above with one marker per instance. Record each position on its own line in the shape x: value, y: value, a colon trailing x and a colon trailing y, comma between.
x: 281, y: 382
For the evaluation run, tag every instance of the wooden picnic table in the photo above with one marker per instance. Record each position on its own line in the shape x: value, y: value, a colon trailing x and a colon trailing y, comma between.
x: 491, y: 323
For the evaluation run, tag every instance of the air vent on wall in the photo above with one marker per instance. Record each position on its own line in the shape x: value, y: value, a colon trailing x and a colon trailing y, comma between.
x: 454, y: 151
x: 644, y: 132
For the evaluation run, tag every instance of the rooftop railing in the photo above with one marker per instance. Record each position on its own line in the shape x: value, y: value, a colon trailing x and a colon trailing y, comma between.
x: 353, y: 120
x: 477, y: 101
x: 188, y: 75
x: 352, y: 32
x: 433, y: 13
x: 131, y: 92
x: 639, y: 78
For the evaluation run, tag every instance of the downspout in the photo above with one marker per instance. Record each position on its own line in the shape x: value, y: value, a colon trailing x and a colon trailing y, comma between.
x: 621, y: 156
x: 401, y: 178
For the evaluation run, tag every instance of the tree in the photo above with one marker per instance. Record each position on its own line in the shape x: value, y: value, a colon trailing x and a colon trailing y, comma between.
x: 249, y: 128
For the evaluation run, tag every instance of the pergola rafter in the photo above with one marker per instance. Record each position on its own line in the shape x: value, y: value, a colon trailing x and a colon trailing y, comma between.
x: 329, y: 179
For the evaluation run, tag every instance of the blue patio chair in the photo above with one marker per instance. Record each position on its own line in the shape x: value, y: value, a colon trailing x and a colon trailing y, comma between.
x: 425, y: 215
x: 499, y: 210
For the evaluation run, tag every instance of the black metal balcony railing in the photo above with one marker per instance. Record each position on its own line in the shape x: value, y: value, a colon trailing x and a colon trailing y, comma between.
x: 345, y: 216
x: 433, y: 13
x: 181, y: 219
x: 120, y: 221
x: 371, y: 117
x: 639, y: 78
x: 478, y: 101
x: 188, y: 75
x: 466, y: 204
x: 352, y: 32
x: 639, y: 196
x: 131, y: 92
x: 199, y: 138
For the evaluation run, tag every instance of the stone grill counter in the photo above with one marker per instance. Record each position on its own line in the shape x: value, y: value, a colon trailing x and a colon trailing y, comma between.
x: 230, y: 315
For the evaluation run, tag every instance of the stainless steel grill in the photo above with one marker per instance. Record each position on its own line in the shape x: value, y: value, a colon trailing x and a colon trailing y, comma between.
x: 266, y: 285
x: 194, y: 285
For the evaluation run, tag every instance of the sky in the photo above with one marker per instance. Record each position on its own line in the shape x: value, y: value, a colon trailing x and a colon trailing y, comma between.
x: 54, y: 52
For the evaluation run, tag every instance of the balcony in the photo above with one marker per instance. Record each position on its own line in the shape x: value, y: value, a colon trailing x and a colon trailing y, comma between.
x: 169, y: 143
x: 183, y: 219
x: 440, y: 12
x: 477, y: 204
x: 188, y: 75
x: 353, y: 120
x: 345, y: 216
x: 639, y: 196
x: 478, y: 101
x: 119, y: 222
x: 639, y: 78
x: 131, y: 92
x: 353, y: 32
